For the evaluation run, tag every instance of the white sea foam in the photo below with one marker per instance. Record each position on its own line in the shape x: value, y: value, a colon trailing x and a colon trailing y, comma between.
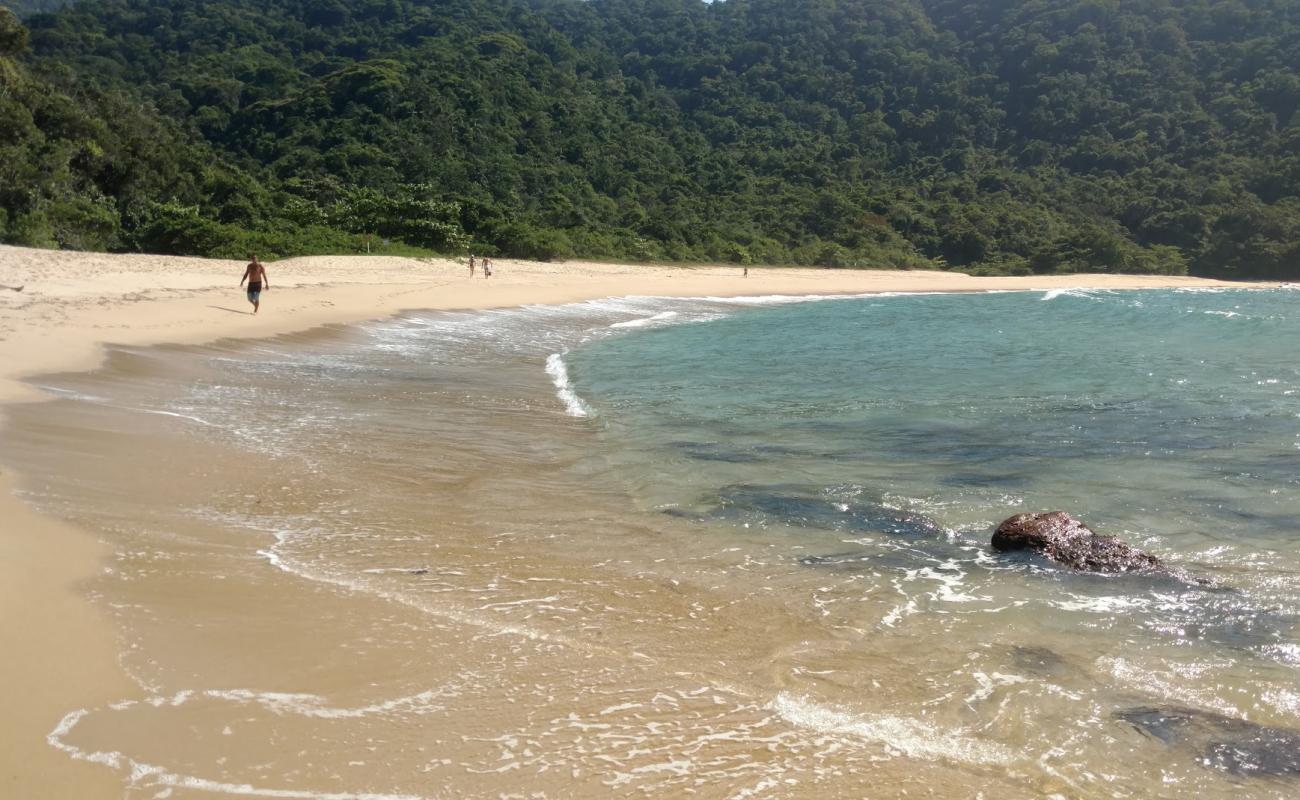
x: 272, y: 555
x: 71, y: 394
x: 178, y: 415
x: 787, y: 299
x: 910, y: 737
x: 645, y: 322
x: 1106, y: 604
x: 988, y: 684
x: 156, y: 776
x: 775, y: 299
x: 310, y: 705
x: 574, y: 405
x: 1052, y: 294
x: 897, y: 613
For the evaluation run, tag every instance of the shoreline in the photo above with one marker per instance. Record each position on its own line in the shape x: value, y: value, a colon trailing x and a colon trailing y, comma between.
x: 75, y: 304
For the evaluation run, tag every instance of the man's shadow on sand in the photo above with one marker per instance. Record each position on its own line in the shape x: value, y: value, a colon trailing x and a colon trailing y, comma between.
x: 232, y: 310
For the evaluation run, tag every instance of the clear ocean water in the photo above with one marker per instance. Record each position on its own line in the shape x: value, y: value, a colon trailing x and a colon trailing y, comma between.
x: 737, y: 547
x: 1169, y: 417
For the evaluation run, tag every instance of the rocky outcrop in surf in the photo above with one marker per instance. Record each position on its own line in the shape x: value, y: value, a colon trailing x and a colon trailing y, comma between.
x: 1067, y: 541
x: 1225, y: 743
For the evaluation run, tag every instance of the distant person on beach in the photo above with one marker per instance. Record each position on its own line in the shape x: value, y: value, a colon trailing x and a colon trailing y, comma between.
x: 746, y: 275
x: 255, y: 274
x: 471, y: 265
x: 487, y: 268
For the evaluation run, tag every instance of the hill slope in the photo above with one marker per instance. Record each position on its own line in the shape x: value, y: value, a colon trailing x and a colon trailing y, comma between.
x: 1043, y: 136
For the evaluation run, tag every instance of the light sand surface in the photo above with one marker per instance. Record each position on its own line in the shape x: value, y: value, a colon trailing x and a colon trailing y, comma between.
x: 59, y: 649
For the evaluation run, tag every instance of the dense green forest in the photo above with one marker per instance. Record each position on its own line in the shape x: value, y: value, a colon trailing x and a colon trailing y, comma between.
x: 24, y: 7
x: 984, y: 135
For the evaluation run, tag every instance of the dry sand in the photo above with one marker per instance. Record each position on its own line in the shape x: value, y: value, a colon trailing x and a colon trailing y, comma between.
x: 59, y: 649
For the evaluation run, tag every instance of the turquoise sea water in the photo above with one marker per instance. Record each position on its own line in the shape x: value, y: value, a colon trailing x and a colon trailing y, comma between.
x: 879, y: 441
x: 739, y: 547
x: 1168, y: 418
x: 1161, y: 414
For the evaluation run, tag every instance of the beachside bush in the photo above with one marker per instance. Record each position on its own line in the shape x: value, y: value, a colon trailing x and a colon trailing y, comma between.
x: 539, y: 244
x: 84, y: 223
x: 31, y: 229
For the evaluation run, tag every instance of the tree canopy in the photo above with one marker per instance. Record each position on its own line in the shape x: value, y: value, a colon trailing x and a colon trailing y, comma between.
x: 986, y: 135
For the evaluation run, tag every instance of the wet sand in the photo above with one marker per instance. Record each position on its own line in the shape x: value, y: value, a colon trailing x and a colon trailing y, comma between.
x: 72, y: 304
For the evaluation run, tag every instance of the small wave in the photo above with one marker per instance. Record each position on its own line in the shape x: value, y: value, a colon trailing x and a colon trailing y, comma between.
x: 1052, y: 294
x: 774, y: 299
x: 298, y: 704
x: 1108, y: 604
x: 71, y: 394
x: 559, y: 372
x: 646, y: 321
x: 178, y: 415
x: 272, y: 554
x: 274, y: 557
x: 160, y: 777
x: 911, y: 737
x: 310, y: 705
x: 788, y: 299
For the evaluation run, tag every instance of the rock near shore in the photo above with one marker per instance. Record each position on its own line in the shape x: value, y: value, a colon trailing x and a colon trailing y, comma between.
x: 1067, y: 541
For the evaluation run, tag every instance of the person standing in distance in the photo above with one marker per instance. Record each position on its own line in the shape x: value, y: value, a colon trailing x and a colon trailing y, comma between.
x: 255, y: 274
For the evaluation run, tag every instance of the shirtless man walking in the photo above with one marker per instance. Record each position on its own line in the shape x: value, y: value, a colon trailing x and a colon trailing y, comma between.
x: 255, y: 274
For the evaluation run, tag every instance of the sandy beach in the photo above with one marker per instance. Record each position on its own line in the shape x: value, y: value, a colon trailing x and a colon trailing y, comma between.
x: 63, y: 652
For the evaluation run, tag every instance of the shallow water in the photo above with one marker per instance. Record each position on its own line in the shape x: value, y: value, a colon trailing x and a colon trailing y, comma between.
x: 730, y: 547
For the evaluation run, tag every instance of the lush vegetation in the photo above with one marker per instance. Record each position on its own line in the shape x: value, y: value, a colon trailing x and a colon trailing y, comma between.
x: 25, y: 7
x: 988, y: 135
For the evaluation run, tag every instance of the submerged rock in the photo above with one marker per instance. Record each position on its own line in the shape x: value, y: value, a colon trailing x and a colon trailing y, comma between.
x: 811, y: 507
x: 1221, y: 742
x: 1038, y: 660
x: 1067, y: 541
x: 808, y: 507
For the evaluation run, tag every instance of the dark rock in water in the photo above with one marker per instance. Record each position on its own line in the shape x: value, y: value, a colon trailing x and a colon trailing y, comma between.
x: 876, y: 560
x: 701, y: 451
x: 1221, y: 742
x: 801, y: 508
x: 1267, y: 751
x: 1038, y: 660
x: 682, y: 513
x: 1067, y: 541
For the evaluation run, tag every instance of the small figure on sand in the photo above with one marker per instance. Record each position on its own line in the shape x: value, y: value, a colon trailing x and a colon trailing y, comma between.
x: 255, y: 274
x: 471, y: 265
x: 746, y: 273
x: 487, y: 268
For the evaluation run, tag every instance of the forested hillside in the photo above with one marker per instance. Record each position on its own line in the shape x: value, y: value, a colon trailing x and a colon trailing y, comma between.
x: 1143, y: 135
x: 25, y: 7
